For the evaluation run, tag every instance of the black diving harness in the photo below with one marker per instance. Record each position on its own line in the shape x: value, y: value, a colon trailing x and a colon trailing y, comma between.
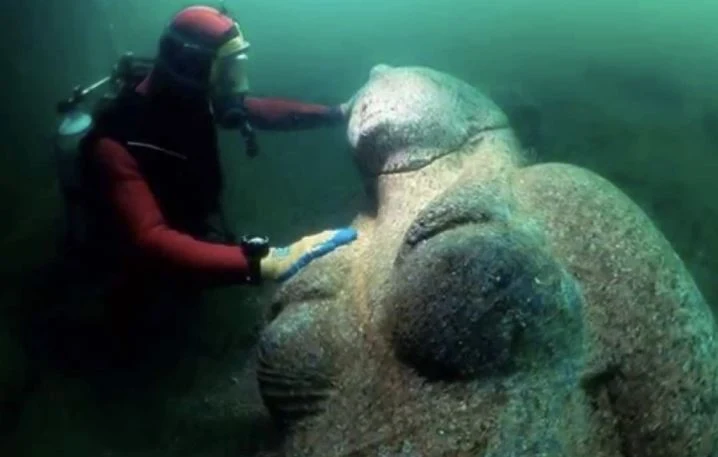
x: 127, y: 73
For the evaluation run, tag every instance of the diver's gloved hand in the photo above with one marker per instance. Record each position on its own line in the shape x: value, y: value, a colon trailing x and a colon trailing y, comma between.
x: 283, y: 263
x: 346, y: 107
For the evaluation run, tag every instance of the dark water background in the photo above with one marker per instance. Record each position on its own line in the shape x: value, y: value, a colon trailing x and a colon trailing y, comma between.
x: 627, y: 89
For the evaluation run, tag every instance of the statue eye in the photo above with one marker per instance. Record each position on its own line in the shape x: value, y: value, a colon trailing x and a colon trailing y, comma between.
x: 477, y: 302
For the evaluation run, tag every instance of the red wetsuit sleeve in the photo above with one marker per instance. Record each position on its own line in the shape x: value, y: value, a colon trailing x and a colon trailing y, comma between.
x: 280, y: 114
x: 138, y: 211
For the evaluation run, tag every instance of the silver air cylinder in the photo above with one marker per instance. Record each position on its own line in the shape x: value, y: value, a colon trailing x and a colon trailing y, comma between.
x: 73, y: 127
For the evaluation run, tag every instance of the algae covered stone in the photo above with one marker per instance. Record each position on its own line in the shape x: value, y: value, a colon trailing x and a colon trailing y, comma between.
x: 490, y: 306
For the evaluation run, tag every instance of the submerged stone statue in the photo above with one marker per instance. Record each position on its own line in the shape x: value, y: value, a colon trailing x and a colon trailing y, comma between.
x: 491, y: 307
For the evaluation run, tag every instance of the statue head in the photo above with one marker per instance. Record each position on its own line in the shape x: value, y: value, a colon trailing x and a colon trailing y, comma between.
x: 470, y: 315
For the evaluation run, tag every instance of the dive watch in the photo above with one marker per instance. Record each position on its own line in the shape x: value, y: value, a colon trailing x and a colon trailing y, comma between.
x: 255, y: 248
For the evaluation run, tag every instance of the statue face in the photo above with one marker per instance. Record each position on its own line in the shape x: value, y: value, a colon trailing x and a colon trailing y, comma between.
x: 459, y: 322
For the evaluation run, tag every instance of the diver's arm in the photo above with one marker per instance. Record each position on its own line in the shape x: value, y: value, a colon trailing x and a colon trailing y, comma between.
x: 280, y: 114
x: 158, y: 245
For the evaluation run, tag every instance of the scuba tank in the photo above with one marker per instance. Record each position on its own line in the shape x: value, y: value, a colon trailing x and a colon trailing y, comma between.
x: 74, y: 124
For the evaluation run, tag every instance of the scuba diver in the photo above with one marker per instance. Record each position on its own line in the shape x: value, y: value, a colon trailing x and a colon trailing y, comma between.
x: 152, y: 163
x: 151, y: 229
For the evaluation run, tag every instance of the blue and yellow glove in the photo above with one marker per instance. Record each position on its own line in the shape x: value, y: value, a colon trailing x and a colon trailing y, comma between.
x: 283, y: 263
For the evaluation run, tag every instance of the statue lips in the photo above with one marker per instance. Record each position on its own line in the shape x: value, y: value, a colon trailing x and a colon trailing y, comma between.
x: 284, y: 300
x: 308, y: 287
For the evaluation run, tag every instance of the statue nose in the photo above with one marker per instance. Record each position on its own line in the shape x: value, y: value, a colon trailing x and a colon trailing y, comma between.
x: 378, y: 70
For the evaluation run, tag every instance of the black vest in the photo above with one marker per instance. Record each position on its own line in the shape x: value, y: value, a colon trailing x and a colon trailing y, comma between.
x: 175, y: 145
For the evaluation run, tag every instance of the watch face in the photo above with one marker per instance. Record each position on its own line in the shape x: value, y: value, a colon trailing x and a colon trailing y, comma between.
x: 256, y: 246
x: 256, y: 240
